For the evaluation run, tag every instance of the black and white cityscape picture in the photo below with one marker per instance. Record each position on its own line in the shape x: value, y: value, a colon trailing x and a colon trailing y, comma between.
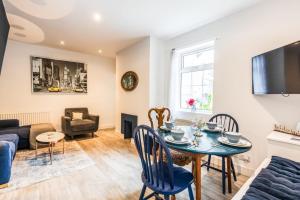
x: 57, y: 76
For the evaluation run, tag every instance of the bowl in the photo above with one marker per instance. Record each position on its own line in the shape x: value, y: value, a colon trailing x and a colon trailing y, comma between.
x: 211, y: 125
x: 233, y: 137
x: 169, y: 124
x: 177, y: 134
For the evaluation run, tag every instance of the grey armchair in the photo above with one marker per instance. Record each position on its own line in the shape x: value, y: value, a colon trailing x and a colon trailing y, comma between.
x: 88, y: 124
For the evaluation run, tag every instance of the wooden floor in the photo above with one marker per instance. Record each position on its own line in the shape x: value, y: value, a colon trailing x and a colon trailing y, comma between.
x: 115, y: 176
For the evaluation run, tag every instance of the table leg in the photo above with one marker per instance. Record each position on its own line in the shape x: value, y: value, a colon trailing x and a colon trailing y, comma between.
x: 52, y: 146
x: 36, y: 146
x: 63, y: 146
x: 229, y: 174
x: 50, y: 152
x: 198, y: 176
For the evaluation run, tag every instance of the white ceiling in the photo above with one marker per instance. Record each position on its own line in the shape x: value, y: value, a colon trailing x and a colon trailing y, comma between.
x: 123, y: 22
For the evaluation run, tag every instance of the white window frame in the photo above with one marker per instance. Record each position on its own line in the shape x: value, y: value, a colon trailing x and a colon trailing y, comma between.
x: 189, y: 51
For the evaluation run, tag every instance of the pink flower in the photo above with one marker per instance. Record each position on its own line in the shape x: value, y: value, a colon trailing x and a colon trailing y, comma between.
x: 191, y: 102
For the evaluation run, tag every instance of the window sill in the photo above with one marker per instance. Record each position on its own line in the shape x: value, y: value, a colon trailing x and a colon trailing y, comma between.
x: 202, y: 112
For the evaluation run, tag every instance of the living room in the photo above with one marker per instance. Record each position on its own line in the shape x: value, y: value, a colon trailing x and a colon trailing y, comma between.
x: 78, y: 79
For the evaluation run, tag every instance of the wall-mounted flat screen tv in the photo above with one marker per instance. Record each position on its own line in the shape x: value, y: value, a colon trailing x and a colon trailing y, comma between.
x: 4, y: 29
x: 277, y: 71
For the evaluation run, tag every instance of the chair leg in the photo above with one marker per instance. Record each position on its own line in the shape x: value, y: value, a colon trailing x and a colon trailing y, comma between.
x: 93, y: 134
x: 142, y: 193
x: 173, y: 197
x: 191, y: 192
x: 233, y: 171
x: 166, y: 197
x: 208, y: 162
x: 193, y: 168
x: 223, y: 175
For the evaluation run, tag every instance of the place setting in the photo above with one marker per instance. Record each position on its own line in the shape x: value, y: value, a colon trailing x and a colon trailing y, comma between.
x: 234, y: 139
x: 212, y: 127
x: 176, y: 135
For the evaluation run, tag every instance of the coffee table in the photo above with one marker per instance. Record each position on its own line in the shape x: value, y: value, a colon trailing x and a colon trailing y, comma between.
x: 50, y: 138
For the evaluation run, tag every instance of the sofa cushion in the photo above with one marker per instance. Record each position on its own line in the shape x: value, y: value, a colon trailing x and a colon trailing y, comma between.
x: 6, y: 157
x: 12, y: 140
x: 22, y: 132
x: 9, y: 123
x: 82, y: 125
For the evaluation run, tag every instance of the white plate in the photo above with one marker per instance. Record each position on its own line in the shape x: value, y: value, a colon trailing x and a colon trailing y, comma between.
x: 216, y: 130
x: 165, y: 128
x: 171, y: 140
x: 241, y: 143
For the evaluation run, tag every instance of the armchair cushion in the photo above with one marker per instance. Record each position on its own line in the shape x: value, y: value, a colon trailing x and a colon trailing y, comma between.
x: 69, y: 112
x: 82, y: 125
x: 77, y: 116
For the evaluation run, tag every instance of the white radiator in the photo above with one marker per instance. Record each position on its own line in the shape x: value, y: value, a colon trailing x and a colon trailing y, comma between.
x: 28, y: 118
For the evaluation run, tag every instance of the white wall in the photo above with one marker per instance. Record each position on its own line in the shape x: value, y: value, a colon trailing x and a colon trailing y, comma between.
x: 15, y: 84
x: 241, y: 36
x: 157, y: 73
x: 134, y: 58
x: 146, y: 58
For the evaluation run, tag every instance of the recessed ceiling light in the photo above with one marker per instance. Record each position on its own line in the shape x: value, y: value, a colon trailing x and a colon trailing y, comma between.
x: 62, y: 42
x: 97, y: 17
x: 99, y: 51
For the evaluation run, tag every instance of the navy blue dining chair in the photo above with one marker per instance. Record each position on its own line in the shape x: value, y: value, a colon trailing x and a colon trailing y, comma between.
x: 159, y: 174
x: 229, y: 124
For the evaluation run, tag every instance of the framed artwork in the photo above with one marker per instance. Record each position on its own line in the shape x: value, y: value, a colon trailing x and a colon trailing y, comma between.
x: 129, y: 81
x: 58, y: 76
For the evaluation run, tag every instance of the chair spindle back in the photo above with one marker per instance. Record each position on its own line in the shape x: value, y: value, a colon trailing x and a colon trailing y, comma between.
x: 155, y: 158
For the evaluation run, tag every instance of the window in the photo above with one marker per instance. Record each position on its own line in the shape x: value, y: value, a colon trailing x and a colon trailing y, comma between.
x: 196, y: 77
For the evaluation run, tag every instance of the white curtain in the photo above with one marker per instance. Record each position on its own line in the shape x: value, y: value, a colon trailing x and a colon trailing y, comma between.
x: 174, y: 83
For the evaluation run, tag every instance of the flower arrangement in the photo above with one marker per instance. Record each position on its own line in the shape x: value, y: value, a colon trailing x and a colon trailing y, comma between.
x: 192, y: 104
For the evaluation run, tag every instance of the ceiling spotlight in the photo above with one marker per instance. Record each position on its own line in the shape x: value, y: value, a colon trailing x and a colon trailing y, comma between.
x: 97, y: 17
x: 62, y: 42
x: 99, y: 51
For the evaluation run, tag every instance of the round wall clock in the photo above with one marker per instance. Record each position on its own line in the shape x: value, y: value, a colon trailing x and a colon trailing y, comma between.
x: 129, y: 81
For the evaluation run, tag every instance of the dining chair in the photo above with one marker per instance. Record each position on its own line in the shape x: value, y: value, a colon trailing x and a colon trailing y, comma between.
x: 229, y: 124
x: 161, y: 114
x: 159, y: 174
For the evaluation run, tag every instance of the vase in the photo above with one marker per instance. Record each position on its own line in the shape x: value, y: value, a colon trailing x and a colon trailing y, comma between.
x: 193, y: 108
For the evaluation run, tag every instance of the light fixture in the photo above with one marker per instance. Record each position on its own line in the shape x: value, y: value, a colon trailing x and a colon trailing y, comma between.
x: 99, y: 51
x: 62, y: 43
x: 97, y: 17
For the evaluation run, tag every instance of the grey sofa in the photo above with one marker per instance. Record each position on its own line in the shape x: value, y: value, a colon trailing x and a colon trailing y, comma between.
x: 89, y: 123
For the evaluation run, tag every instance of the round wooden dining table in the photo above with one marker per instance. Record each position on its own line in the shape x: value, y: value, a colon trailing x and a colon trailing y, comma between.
x: 207, y: 144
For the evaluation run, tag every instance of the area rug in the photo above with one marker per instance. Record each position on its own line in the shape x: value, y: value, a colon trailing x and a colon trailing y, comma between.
x: 28, y: 170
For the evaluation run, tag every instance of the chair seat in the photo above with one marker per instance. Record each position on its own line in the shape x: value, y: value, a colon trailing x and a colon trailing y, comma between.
x: 180, y: 159
x: 182, y: 179
x: 82, y: 125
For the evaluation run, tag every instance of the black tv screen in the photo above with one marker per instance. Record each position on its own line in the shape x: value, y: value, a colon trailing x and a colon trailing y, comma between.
x: 277, y: 71
x: 4, y: 29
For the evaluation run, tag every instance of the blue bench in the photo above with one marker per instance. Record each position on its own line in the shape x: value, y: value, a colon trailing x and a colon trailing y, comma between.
x: 279, y: 180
